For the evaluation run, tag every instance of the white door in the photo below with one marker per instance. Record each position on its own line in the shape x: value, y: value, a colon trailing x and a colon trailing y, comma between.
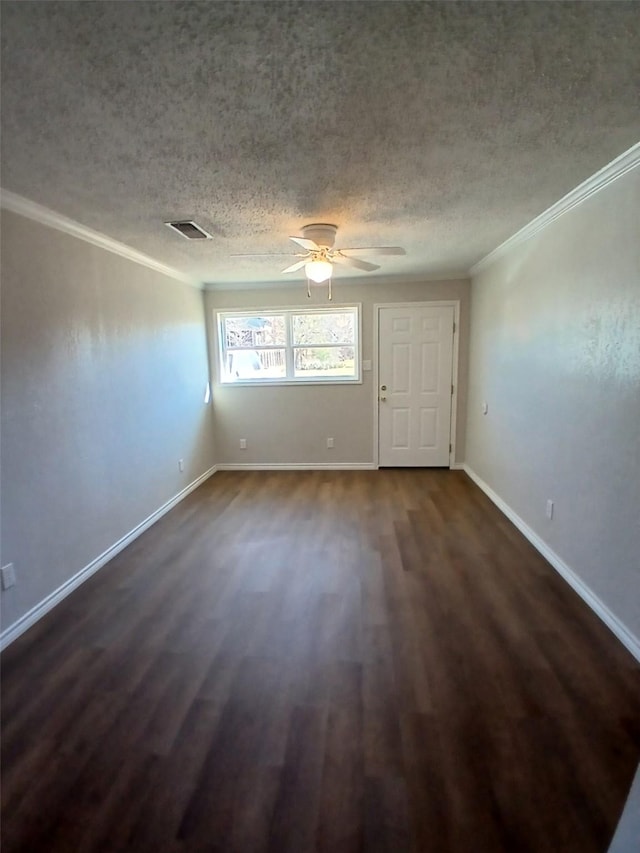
x: 415, y: 353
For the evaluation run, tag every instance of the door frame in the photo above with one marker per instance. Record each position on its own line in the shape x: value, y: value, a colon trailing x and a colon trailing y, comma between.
x: 435, y: 303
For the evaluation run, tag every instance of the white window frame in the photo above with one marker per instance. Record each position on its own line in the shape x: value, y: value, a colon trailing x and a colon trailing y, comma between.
x: 289, y: 348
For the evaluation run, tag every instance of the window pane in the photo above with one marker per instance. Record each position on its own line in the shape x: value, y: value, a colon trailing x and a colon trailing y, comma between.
x: 258, y: 347
x: 324, y: 328
x: 255, y: 331
x: 256, y: 364
x: 323, y: 362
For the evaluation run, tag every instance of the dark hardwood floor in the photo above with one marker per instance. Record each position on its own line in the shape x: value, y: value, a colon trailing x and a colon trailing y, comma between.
x: 320, y: 661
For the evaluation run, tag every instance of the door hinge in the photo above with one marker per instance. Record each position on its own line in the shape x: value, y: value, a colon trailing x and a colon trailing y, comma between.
x: 452, y: 390
x: 454, y: 327
x: 450, y: 448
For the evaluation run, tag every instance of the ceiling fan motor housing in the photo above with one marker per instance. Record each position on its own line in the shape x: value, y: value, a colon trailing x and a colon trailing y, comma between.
x: 321, y: 233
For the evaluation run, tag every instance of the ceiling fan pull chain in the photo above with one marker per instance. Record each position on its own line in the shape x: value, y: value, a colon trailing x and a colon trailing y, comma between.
x: 330, y: 296
x: 309, y: 288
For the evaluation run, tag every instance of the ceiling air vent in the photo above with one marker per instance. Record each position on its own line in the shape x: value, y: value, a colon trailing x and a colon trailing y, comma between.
x: 189, y: 230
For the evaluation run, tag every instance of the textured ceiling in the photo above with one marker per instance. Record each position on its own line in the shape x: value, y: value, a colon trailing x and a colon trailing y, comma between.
x: 442, y: 127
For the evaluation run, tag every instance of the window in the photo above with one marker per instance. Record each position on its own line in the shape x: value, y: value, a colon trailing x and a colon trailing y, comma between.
x: 290, y: 346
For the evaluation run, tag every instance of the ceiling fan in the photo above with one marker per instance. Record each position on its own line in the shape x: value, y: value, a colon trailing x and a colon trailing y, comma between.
x: 319, y: 254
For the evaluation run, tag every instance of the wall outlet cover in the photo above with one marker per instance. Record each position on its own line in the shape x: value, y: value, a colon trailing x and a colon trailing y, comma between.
x: 8, y: 574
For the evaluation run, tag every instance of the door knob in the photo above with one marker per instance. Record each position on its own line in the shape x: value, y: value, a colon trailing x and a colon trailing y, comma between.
x: 382, y: 399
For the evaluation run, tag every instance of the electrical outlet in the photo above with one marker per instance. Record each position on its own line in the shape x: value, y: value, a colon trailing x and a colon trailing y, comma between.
x: 8, y: 576
x: 180, y: 464
x: 243, y: 444
x: 366, y: 364
x: 485, y: 408
x: 549, y: 509
x: 329, y: 443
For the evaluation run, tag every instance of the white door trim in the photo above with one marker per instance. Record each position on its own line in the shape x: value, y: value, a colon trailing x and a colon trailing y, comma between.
x: 436, y: 303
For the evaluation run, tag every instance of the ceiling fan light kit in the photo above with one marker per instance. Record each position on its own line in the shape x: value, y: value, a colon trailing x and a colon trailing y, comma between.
x: 318, y: 271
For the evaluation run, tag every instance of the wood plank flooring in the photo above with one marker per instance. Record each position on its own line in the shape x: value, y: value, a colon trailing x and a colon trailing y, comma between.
x: 320, y: 661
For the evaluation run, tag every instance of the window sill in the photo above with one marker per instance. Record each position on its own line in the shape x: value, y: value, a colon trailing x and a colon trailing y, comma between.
x: 270, y: 383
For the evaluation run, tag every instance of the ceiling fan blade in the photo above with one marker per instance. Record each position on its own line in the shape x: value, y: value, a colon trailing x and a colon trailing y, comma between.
x: 260, y: 255
x: 295, y: 267
x: 376, y: 250
x: 306, y: 243
x: 354, y: 262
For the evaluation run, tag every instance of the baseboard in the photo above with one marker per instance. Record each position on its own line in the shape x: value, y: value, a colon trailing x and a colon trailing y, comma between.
x: 309, y: 466
x: 296, y: 466
x: 626, y: 637
x: 32, y: 616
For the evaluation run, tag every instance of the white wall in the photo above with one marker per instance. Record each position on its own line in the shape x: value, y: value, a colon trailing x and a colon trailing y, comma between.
x: 555, y: 352
x: 104, y: 370
x: 290, y: 424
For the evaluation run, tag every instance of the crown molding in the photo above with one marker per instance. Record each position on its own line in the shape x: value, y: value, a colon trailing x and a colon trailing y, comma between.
x: 36, y: 212
x: 614, y: 170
